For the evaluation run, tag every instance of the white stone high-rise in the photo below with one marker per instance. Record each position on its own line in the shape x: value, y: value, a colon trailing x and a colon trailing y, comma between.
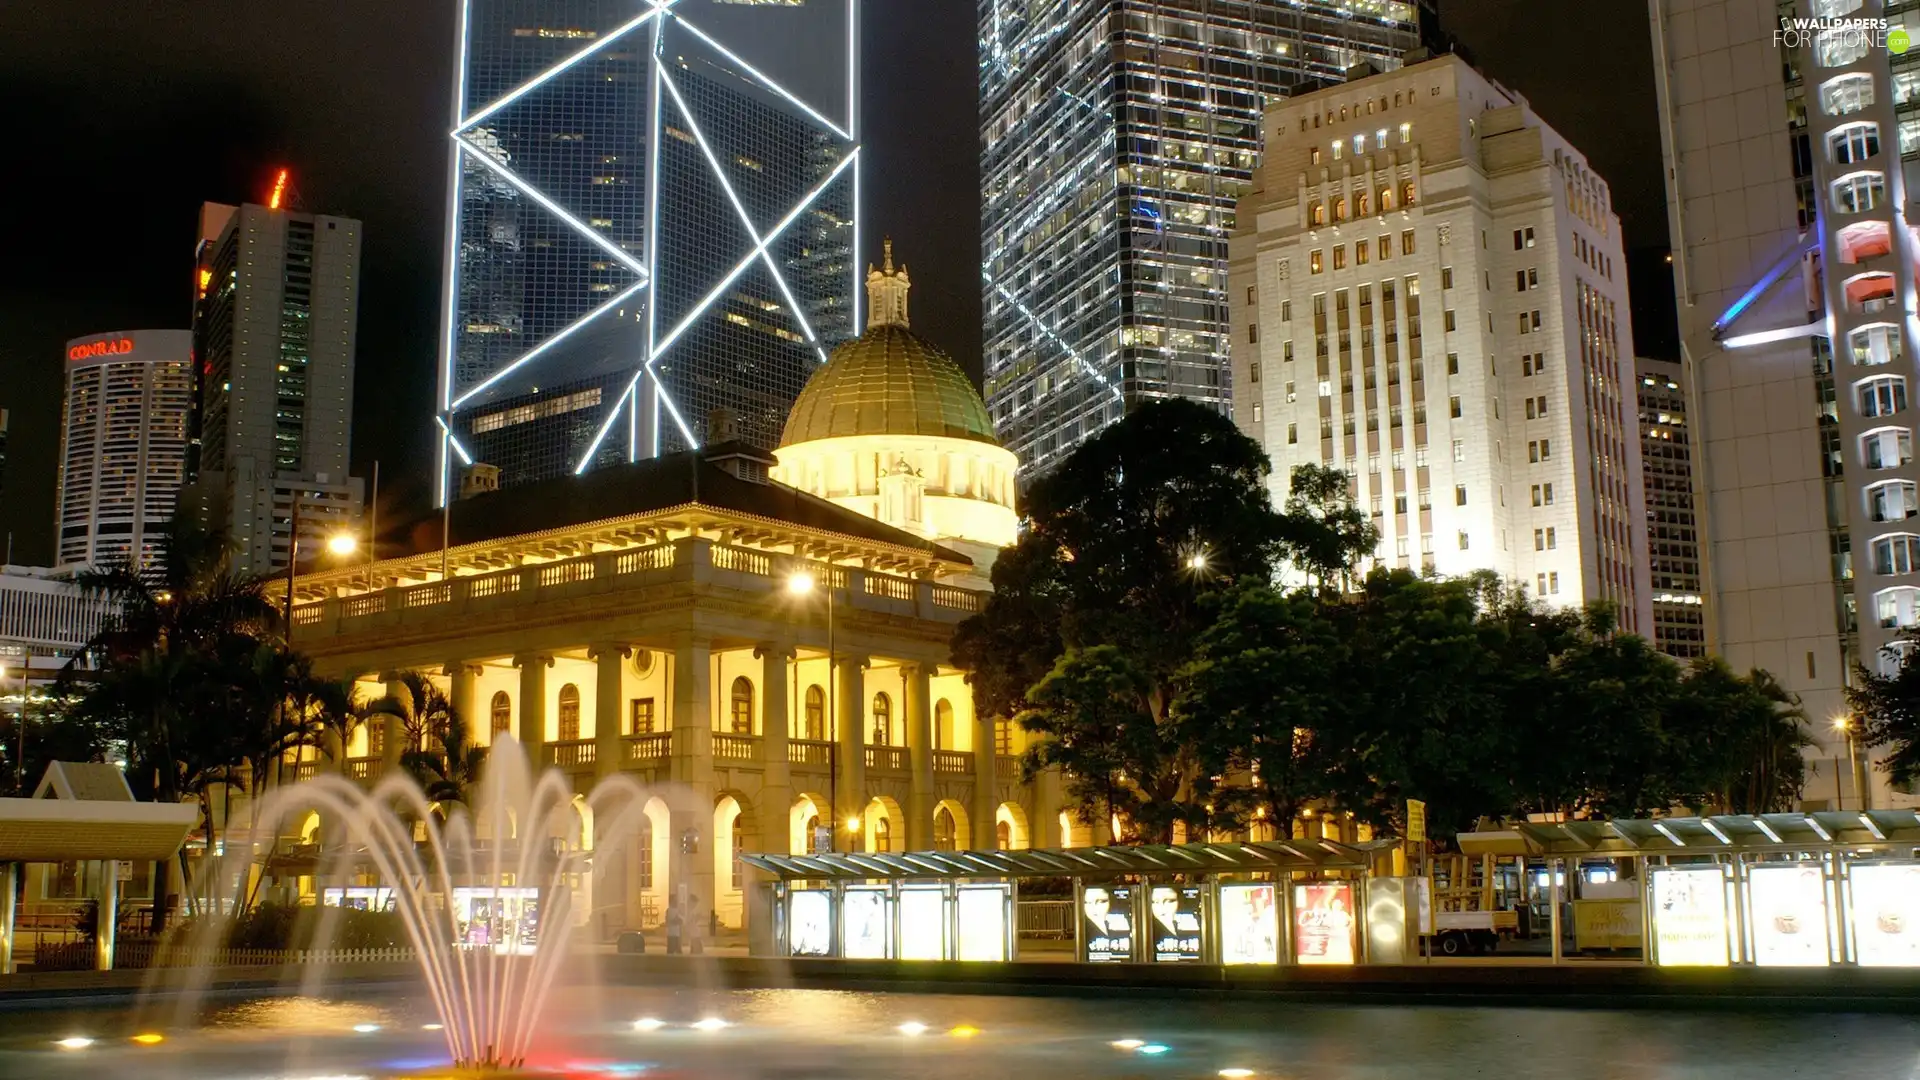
x: 1787, y: 154
x: 1429, y: 293
x: 123, y: 446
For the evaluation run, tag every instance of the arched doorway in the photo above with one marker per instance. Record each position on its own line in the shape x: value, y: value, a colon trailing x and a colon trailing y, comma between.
x: 943, y: 725
x: 730, y: 824
x: 807, y: 816
x: 1010, y: 828
x: 952, y: 830
x: 881, y: 825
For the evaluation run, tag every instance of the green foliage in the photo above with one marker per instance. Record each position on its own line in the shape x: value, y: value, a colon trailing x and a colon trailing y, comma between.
x: 282, y: 926
x: 1889, y: 706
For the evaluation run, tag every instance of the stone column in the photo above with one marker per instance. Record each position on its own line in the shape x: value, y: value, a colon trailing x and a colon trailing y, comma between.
x: 986, y: 784
x: 109, y: 915
x: 1048, y: 801
x: 850, y: 723
x: 609, y: 704
x: 532, y: 728
x: 460, y: 680
x: 7, y: 871
x: 776, y: 783
x: 396, y: 726
x: 691, y: 885
x: 918, y: 681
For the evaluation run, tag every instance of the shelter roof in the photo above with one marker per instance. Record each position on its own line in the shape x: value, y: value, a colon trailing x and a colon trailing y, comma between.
x: 1212, y: 858
x: 1721, y: 834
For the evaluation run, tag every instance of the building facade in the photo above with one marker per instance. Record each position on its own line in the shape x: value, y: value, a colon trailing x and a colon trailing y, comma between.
x: 1793, y: 264
x: 1429, y: 293
x: 275, y: 325
x: 1116, y: 137
x: 1673, y: 531
x: 651, y: 218
x: 44, y: 623
x: 123, y: 445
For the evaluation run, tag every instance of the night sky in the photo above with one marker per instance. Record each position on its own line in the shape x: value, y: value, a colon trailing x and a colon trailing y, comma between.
x: 125, y: 115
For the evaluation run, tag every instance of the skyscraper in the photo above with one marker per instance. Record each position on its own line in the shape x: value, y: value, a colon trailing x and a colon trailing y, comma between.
x: 3, y: 457
x: 274, y: 332
x: 651, y: 219
x: 123, y: 445
x: 1429, y: 293
x: 1116, y: 136
x: 1673, y: 532
x: 1787, y: 149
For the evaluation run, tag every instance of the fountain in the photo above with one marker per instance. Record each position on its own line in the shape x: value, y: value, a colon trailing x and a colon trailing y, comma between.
x: 484, y: 891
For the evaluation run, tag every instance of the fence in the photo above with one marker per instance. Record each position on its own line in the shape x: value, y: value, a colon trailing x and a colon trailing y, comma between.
x: 139, y: 954
x: 1045, y: 919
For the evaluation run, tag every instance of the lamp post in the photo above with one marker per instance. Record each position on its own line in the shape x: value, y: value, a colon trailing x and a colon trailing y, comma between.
x: 801, y: 583
x: 340, y: 543
x: 1844, y: 724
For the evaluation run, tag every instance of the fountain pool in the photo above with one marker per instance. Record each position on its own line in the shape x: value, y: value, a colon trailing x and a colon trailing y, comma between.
x: 616, y: 1031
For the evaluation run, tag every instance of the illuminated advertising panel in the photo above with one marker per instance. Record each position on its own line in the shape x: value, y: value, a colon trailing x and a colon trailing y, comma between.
x: 983, y: 922
x: 1323, y: 923
x: 361, y: 897
x: 1789, y: 904
x: 1177, y: 913
x: 1690, y: 916
x: 864, y: 929
x: 923, y: 924
x: 1886, y: 914
x: 1249, y: 924
x: 504, y: 919
x: 1106, y: 916
x: 810, y: 923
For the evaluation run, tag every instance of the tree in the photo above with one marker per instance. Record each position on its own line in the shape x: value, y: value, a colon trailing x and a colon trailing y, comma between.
x: 1121, y: 757
x: 1324, y: 532
x: 1889, y: 706
x: 426, y: 714
x: 448, y: 767
x: 1738, y: 740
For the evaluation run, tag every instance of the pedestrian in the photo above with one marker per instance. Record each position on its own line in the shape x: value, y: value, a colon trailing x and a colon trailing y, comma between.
x: 673, y: 929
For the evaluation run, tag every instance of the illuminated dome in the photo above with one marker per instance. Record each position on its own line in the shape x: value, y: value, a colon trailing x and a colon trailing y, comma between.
x: 892, y: 428
x: 889, y: 380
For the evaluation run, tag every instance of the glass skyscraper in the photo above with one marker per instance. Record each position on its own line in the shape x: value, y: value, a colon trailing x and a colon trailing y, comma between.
x: 652, y: 220
x: 1116, y: 137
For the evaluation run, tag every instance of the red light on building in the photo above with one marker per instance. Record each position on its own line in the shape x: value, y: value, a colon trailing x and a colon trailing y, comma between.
x: 279, y: 192
x: 103, y: 347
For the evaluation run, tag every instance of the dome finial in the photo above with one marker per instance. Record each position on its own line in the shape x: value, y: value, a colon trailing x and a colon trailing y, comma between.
x: 887, y: 291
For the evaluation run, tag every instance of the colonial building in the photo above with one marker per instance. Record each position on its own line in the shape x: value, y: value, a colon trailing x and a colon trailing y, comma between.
x: 775, y: 658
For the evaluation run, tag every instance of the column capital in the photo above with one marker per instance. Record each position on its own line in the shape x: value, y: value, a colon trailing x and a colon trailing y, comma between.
x: 525, y: 660
x: 785, y: 650
x: 460, y: 667
x: 929, y: 668
x: 620, y: 650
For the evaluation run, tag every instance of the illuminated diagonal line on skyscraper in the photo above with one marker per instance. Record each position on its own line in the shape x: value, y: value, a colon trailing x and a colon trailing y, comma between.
x: 626, y: 259
x: 526, y: 357
x: 660, y: 8
x: 1047, y: 331
x: 763, y: 79
x: 759, y: 251
x: 746, y: 220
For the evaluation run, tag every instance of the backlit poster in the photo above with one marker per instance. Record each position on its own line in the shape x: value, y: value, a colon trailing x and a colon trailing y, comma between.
x: 982, y: 910
x: 505, y: 920
x: 1323, y: 923
x: 863, y: 916
x: 1106, y: 917
x: 923, y: 924
x: 1690, y: 916
x: 1249, y: 924
x: 359, y: 897
x: 1886, y: 914
x: 1789, y: 915
x: 1175, y: 929
x: 810, y: 922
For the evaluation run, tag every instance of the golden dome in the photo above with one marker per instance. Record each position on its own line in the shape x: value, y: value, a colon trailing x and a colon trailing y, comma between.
x: 888, y: 381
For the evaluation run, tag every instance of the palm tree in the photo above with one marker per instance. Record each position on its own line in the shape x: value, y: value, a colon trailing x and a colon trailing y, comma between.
x: 426, y: 715
x: 450, y: 766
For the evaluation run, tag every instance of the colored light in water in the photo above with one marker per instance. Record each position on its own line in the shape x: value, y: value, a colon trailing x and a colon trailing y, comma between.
x: 149, y: 1039
x: 1154, y: 1048
x: 913, y: 1027
x: 711, y: 1023
x: 964, y: 1031
x: 75, y: 1042
x: 366, y: 1029
x: 1236, y: 1074
x: 432, y: 1027
x: 1127, y: 1044
x: 648, y: 1023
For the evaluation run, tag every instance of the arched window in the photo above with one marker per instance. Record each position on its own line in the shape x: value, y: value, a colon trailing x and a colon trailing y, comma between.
x: 742, y: 706
x: 569, y: 712
x: 1406, y: 193
x: 1340, y: 209
x: 1386, y: 199
x: 1003, y: 836
x: 943, y: 830
x: 1318, y: 215
x: 816, y: 714
x: 1360, y: 205
x: 882, y: 834
x: 882, y: 720
x: 943, y: 724
x: 501, y: 713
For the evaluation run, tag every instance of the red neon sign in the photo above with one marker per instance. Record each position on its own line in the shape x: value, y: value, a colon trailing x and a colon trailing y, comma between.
x: 103, y: 347
x: 279, y: 190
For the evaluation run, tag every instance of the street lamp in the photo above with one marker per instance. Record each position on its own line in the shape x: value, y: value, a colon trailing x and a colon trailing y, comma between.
x: 801, y: 583
x: 339, y: 544
x: 1844, y: 724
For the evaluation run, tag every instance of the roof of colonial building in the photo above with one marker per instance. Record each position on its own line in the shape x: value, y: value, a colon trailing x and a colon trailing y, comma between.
x: 889, y: 380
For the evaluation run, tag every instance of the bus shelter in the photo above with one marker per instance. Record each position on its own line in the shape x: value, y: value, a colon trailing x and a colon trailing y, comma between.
x: 1291, y: 901
x: 1770, y: 890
